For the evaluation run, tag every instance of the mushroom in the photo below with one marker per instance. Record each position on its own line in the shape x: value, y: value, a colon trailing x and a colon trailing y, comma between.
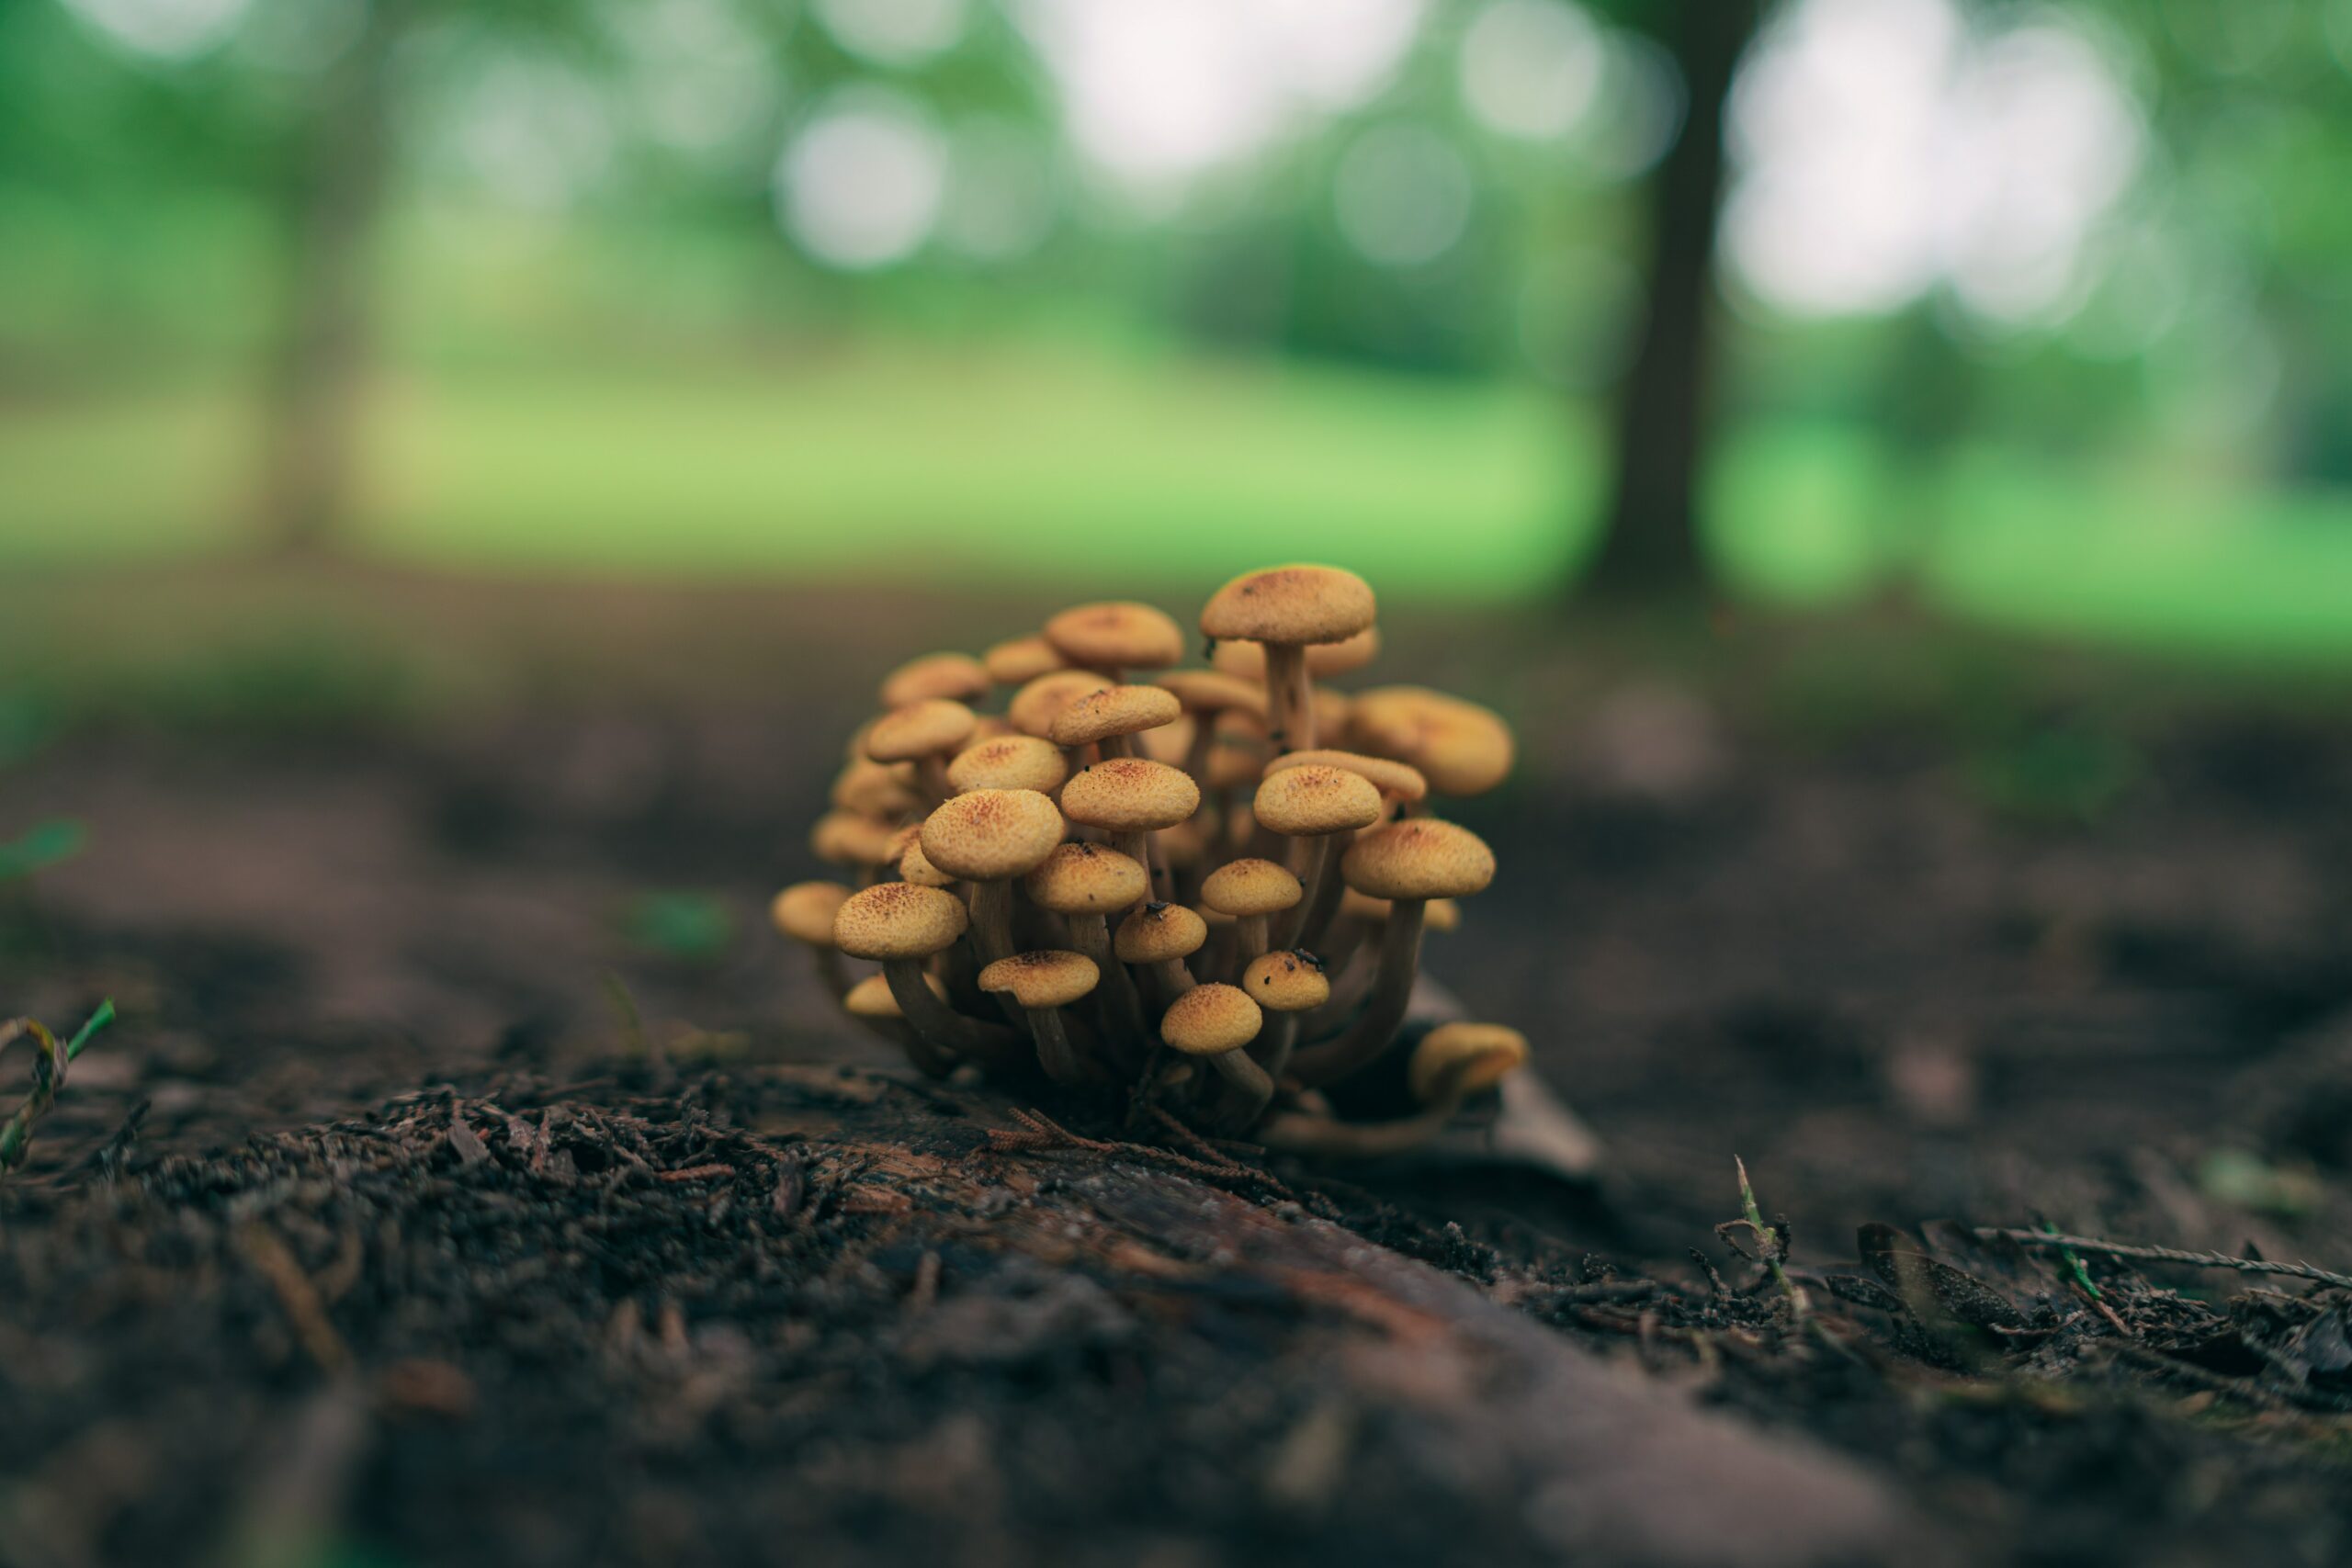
x: 880, y: 790
x: 1321, y: 805
x: 1159, y: 938
x: 925, y: 733
x: 1250, y: 890
x: 1287, y: 984
x: 956, y: 675
x: 804, y: 912
x: 1115, y: 637
x: 899, y: 925
x: 1044, y: 983
x: 1247, y: 660
x: 1452, y: 1063
x: 989, y: 837
x: 1215, y: 1021
x: 1008, y: 761
x: 1408, y: 864
x: 1107, y: 718
x: 1018, y: 661
x: 1084, y: 883
x: 1130, y: 798
x: 1035, y: 705
x: 1285, y: 609
x: 870, y: 1002
x: 1461, y: 749
x: 846, y: 837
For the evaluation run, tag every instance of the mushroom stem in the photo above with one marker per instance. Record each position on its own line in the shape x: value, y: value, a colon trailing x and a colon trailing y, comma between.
x: 1287, y: 727
x: 928, y: 1059
x: 1312, y: 914
x: 1055, y: 1053
x: 1250, y: 937
x: 1123, y: 1010
x: 830, y: 971
x: 940, y: 1026
x: 932, y: 771
x: 992, y: 919
x: 1273, y: 1047
x: 1252, y: 1089
x: 1400, y: 951
x: 1173, y: 979
x: 1163, y: 881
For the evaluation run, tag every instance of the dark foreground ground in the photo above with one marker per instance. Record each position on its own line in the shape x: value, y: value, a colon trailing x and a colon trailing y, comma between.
x: 470, y: 1178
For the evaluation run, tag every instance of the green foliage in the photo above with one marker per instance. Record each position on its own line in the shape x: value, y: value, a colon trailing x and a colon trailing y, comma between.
x: 46, y: 844
x: 696, y: 928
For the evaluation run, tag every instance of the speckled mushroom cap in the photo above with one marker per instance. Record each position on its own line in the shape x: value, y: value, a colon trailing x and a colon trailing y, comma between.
x: 1009, y: 762
x: 1114, y: 710
x: 1316, y: 799
x: 920, y: 729
x: 1035, y: 705
x: 1463, y: 1059
x: 1017, y: 660
x: 1158, y: 932
x: 1290, y: 605
x: 876, y: 789
x: 844, y: 838
x: 1045, y: 979
x: 1117, y: 634
x: 988, y: 835
x: 804, y: 911
x: 1463, y: 748
x: 1398, y: 781
x: 898, y: 919
x: 1286, y: 982
x: 956, y: 675
x: 1129, y: 794
x: 1086, y: 879
x: 1418, y: 858
x: 1215, y: 691
x: 871, y: 997
x: 1209, y: 1020
x: 1248, y: 660
x: 1251, y: 886
x: 915, y: 867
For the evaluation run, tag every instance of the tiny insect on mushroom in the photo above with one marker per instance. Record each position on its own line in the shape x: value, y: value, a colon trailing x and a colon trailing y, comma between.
x: 958, y: 676
x: 1285, y: 609
x: 1215, y: 1021
x: 1115, y: 636
x: 899, y: 925
x: 990, y: 837
x: 1251, y: 890
x: 1018, y: 661
x: 1461, y: 747
x: 925, y: 733
x: 1452, y: 1063
x: 1287, y: 984
x: 804, y: 912
x: 1323, y: 806
x: 1043, y: 984
x: 1085, y: 883
x: 1156, y: 939
x: 1131, y: 798
x: 1037, y: 704
x: 1105, y: 718
x: 1008, y: 761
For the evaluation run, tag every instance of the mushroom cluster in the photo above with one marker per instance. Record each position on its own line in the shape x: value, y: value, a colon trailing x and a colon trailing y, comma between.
x: 1139, y: 878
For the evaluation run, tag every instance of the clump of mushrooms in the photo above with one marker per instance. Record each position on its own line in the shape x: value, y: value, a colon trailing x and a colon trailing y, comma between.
x: 1206, y: 889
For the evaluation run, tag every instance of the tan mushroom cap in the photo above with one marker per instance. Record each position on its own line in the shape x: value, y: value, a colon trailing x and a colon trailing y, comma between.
x: 1462, y: 748
x: 1158, y: 932
x: 1251, y: 886
x: 1286, y: 982
x: 1169, y: 743
x: 1018, y: 661
x: 1442, y: 914
x: 1009, y: 762
x: 1185, y: 844
x: 898, y: 919
x: 1035, y: 705
x: 1114, y: 710
x: 1418, y: 858
x: 956, y: 675
x: 1129, y: 794
x: 1117, y: 635
x: 920, y: 729
x: 804, y: 912
x: 1233, y: 767
x: 1248, y: 660
x: 1215, y: 691
x: 844, y: 838
x: 915, y: 867
x: 1398, y: 781
x: 1290, y: 605
x: 1317, y: 799
x: 1210, y: 1020
x: 876, y: 789
x: 871, y: 997
x: 1049, y: 978
x: 1463, y: 1058
x: 988, y: 835
x: 1086, y: 879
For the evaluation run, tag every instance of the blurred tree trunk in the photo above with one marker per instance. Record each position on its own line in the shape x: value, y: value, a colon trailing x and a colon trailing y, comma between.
x: 1651, y: 547
x: 315, y: 386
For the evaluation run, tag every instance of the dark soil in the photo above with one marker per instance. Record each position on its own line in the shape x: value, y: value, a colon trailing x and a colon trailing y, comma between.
x: 472, y: 1180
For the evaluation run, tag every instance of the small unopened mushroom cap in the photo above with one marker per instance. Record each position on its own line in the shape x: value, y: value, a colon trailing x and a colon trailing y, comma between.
x: 846, y: 837
x: 956, y: 675
x: 1251, y: 886
x: 1462, y: 748
x: 1086, y: 879
x: 1286, y: 982
x: 920, y: 729
x: 1118, y: 634
x: 1290, y: 605
x: 988, y: 835
x: 1248, y: 660
x: 1158, y: 932
x: 1035, y: 705
x: 1020, y: 660
x: 1209, y: 1020
x: 804, y: 911
x: 1418, y: 858
x: 1009, y: 762
x: 1114, y: 710
x: 871, y: 997
x: 898, y: 919
x: 1044, y: 980
x: 915, y: 867
x: 1128, y: 794
x: 1215, y: 691
x: 1463, y: 1059
x: 876, y: 789
x: 1317, y: 799
x: 1398, y: 781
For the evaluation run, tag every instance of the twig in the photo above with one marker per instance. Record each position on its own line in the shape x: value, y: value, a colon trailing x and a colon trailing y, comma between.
x: 2047, y: 1242
x: 49, y: 1076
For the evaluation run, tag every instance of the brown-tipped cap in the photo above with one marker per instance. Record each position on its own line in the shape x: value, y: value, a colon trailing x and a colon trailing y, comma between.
x: 1286, y: 982
x: 1035, y: 705
x: 1316, y: 799
x: 1158, y: 932
x: 1213, y: 691
x: 1009, y: 762
x: 1251, y: 886
x: 1463, y: 1059
x: 1209, y: 1020
x: 1114, y: 710
x: 915, y: 867
x: 1398, y: 781
x: 1462, y: 748
x: 876, y: 789
x: 871, y: 997
x: 1127, y: 793
x: 1086, y: 879
x: 844, y: 838
x: 898, y: 919
x: 956, y: 675
x: 1247, y: 660
x: 1418, y: 858
x: 988, y: 835
x: 1119, y: 635
x: 920, y: 729
x: 1018, y: 661
x: 804, y: 911
x: 1290, y: 605
x: 1046, y: 979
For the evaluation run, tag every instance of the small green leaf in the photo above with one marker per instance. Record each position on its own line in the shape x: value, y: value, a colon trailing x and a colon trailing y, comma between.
x: 49, y: 843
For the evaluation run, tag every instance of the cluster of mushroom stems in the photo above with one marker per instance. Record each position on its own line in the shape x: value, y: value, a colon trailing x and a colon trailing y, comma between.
x: 1155, y: 880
